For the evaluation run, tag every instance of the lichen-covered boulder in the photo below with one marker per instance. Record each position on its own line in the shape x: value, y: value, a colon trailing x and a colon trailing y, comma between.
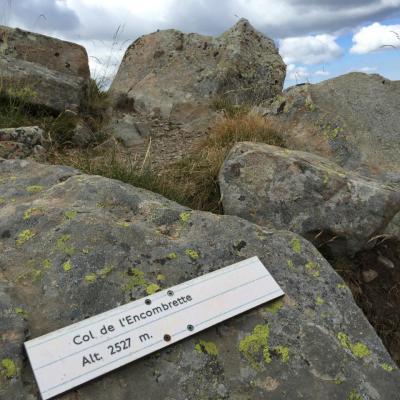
x: 353, y: 120
x: 43, y: 70
x: 74, y: 245
x: 306, y: 194
x: 181, y: 75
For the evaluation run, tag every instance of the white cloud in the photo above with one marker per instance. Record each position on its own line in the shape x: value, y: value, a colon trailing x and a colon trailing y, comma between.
x: 366, y: 70
x: 322, y: 72
x: 376, y: 37
x: 310, y: 49
x: 297, y: 73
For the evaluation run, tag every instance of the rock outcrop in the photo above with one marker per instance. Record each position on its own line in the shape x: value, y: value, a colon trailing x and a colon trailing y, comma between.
x: 43, y: 70
x: 74, y: 245
x: 21, y: 142
x: 353, y: 120
x: 181, y: 75
x: 306, y: 194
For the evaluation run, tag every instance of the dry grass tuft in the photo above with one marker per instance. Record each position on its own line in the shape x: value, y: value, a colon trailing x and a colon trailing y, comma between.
x: 192, y: 181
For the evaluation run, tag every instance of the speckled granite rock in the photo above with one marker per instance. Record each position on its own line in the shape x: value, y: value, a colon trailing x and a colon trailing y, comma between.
x: 43, y: 70
x: 315, y: 343
x: 180, y: 75
x: 307, y: 194
x: 353, y: 119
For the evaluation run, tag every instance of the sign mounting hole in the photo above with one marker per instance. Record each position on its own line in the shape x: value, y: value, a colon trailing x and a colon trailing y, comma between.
x: 170, y: 293
x: 190, y: 328
x: 167, y: 338
x: 147, y: 301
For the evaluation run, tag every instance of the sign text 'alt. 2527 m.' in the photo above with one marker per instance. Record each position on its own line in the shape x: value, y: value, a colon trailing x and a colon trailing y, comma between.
x: 78, y: 353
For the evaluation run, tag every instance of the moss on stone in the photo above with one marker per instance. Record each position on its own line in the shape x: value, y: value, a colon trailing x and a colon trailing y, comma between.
x: 24, y: 236
x: 70, y: 214
x: 2, y: 200
x: 90, y: 278
x: 20, y: 311
x: 185, y: 216
x: 172, y: 256
x: 319, y: 301
x: 283, y: 353
x: 62, y: 245
x: 136, y: 278
x: 358, y: 349
x: 105, y: 271
x: 274, y: 306
x: 209, y: 348
x: 160, y: 277
x: 253, y: 344
x: 354, y: 395
x: 296, y: 245
x: 193, y: 254
x: 290, y: 264
x: 9, y: 369
x: 342, y: 286
x: 387, y: 367
x: 152, y: 288
x: 313, y: 269
x: 32, y: 211
x: 124, y: 224
x: 34, y: 189
x: 47, y: 264
x: 67, y: 266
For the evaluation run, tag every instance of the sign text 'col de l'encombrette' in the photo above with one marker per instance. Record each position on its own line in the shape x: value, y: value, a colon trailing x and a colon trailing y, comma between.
x: 78, y: 353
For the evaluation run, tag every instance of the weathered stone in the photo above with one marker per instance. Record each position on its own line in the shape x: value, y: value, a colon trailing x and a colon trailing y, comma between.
x: 181, y: 75
x: 315, y: 343
x: 127, y: 129
x: 43, y: 70
x: 29, y: 135
x: 353, y: 120
x: 306, y: 194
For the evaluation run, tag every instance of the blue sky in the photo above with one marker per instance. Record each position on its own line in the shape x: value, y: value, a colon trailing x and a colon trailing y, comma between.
x: 319, y: 39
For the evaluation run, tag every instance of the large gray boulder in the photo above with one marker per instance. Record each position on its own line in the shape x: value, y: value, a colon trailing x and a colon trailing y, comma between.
x: 306, y: 194
x: 74, y: 245
x: 181, y: 75
x: 43, y: 70
x: 353, y: 120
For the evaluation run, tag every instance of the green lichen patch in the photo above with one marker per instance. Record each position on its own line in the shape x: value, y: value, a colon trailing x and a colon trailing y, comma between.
x: 319, y: 301
x: 193, y: 254
x: 30, y: 212
x: 25, y: 236
x: 2, y: 201
x: 152, y: 288
x: 296, y: 245
x: 70, y: 214
x: 47, y: 264
x: 209, y: 348
x: 354, y: 395
x: 386, y: 367
x: 290, y: 264
x: 172, y: 256
x: 283, y: 353
x: 255, y: 345
x: 21, y: 312
x: 62, y: 245
x: 67, y: 266
x: 185, y: 216
x: 274, y: 307
x: 160, y: 277
x: 105, y: 271
x: 91, y: 278
x: 358, y: 349
x: 313, y: 269
x: 123, y: 224
x: 34, y: 189
x: 135, y: 278
x: 342, y: 286
x: 8, y: 368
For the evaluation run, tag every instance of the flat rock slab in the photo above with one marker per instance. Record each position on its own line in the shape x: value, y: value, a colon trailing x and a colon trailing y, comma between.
x: 74, y: 245
x: 307, y: 194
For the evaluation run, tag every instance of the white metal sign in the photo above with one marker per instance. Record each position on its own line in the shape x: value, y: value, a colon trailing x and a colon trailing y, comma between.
x: 78, y: 353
